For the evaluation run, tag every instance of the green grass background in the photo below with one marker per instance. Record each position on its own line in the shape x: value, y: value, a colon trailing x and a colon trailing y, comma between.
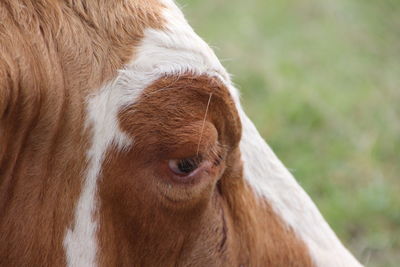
x: 321, y: 81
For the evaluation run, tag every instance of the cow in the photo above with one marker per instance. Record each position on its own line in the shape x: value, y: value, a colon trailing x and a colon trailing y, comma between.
x: 123, y: 143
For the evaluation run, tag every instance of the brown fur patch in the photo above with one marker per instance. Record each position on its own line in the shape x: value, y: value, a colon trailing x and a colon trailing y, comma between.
x: 53, y: 54
x: 148, y: 220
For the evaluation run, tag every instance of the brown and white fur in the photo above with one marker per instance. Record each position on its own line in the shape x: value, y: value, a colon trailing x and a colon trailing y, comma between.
x: 96, y: 97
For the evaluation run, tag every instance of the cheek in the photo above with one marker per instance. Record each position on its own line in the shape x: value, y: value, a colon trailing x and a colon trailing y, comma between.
x: 119, y: 185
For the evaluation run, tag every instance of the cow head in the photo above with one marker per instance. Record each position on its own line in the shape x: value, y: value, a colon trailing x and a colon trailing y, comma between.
x: 124, y: 144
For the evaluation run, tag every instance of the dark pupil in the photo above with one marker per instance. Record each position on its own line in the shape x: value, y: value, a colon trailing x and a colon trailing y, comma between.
x: 187, y: 165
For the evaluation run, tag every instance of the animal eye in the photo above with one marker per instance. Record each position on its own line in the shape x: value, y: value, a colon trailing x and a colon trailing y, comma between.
x: 184, y: 166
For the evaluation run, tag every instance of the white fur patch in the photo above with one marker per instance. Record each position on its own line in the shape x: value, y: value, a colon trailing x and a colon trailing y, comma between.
x: 80, y: 243
x: 175, y: 51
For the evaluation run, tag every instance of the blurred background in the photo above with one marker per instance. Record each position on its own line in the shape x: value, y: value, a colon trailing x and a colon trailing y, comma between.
x: 321, y: 80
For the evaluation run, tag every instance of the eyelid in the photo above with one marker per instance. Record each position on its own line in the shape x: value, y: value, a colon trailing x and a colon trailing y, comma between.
x: 175, y: 165
x: 200, y: 173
